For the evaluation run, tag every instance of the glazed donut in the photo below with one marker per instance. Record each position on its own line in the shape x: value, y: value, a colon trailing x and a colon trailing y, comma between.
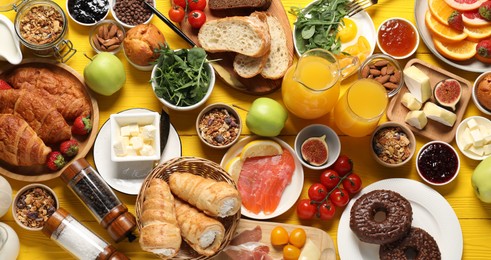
x: 418, y: 245
x: 395, y: 224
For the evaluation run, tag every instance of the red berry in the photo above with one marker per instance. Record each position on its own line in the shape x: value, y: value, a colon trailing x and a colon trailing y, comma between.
x: 82, y: 125
x: 4, y: 85
x: 69, y: 148
x: 55, y: 161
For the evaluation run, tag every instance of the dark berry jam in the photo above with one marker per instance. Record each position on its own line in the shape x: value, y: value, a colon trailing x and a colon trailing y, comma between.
x: 438, y: 163
x: 88, y: 11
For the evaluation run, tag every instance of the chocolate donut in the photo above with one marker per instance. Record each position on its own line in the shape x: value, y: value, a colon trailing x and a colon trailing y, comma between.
x: 418, y: 245
x: 381, y: 230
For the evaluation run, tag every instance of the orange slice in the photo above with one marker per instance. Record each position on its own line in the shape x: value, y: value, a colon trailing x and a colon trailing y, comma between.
x: 460, y: 51
x: 465, y: 5
x: 477, y: 33
x: 440, y: 10
x: 444, y: 32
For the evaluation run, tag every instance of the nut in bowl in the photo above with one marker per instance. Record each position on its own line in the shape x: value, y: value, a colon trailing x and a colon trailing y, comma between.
x: 87, y: 13
x: 392, y: 144
x: 481, y: 92
x: 437, y: 163
x: 33, y: 205
x: 384, y: 69
x: 219, y: 126
x: 317, y: 146
x: 131, y: 13
x: 398, y: 38
x: 107, y: 36
x: 473, y: 137
x: 135, y: 137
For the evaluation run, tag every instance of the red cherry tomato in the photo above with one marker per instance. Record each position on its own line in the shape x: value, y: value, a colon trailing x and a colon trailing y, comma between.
x: 181, y: 3
x: 327, y: 210
x: 317, y: 192
x: 352, y: 183
x: 339, y: 197
x: 176, y: 14
x: 196, y: 18
x: 197, y: 4
x: 306, y: 210
x: 329, y: 178
x: 343, y: 165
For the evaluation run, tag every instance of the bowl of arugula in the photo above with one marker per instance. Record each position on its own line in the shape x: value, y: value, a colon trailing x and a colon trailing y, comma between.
x: 182, y: 79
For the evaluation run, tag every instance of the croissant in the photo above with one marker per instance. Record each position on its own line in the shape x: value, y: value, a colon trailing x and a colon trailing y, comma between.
x: 212, y: 197
x: 19, y: 144
x: 204, y: 234
x: 44, y: 119
x: 160, y: 233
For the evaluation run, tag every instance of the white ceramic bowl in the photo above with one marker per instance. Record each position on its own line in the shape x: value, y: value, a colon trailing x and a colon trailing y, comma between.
x: 120, y: 120
x: 232, y: 112
x: 459, y: 135
x: 474, y: 96
x: 82, y: 23
x: 318, y: 130
x: 376, y: 57
x: 113, y: 13
x: 26, y: 189
x: 437, y: 144
x: 415, y: 31
x: 138, y: 67
x: 410, y: 136
x: 95, y: 30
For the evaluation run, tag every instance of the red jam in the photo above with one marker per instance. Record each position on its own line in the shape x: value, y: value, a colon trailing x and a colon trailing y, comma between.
x: 438, y: 163
x: 397, y: 37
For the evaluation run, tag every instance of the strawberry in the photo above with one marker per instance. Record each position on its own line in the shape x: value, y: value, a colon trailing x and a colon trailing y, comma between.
x: 55, y: 161
x: 4, y: 85
x: 485, y: 10
x: 69, y: 148
x: 82, y: 125
x: 483, y: 51
x: 455, y: 21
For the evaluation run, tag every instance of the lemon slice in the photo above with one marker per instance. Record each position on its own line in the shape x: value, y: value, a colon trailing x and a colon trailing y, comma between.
x: 261, y: 148
x: 234, y: 167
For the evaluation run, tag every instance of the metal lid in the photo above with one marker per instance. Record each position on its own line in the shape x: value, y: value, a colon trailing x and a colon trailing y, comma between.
x: 10, y: 5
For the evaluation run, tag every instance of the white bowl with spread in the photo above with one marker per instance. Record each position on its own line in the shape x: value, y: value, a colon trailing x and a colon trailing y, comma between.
x: 10, y: 48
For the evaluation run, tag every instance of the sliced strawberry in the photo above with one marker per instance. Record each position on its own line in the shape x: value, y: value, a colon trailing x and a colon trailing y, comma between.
x: 69, y: 148
x: 455, y: 21
x: 55, y: 161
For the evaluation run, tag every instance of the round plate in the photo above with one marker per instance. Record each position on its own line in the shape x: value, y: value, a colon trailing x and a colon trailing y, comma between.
x: 127, y: 177
x: 473, y: 65
x: 291, y: 192
x: 431, y: 212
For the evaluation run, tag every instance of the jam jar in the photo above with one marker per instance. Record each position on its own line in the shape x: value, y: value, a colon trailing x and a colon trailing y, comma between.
x: 42, y: 27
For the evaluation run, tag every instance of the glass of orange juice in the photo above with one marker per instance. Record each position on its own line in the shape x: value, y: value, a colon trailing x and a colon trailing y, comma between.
x: 359, y: 110
x: 310, y: 89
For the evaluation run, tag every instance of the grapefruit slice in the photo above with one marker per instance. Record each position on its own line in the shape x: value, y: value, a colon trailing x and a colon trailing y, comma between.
x: 465, y: 5
x: 460, y: 51
x: 438, y: 29
x: 440, y: 10
x: 473, y: 18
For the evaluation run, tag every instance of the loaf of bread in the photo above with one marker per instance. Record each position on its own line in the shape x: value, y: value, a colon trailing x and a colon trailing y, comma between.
x: 215, y: 198
x: 241, y: 34
x: 160, y: 233
x: 216, y: 5
x: 204, y: 234
x: 483, y: 92
x: 140, y: 43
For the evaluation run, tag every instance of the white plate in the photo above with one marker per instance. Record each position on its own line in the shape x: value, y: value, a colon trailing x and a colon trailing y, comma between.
x: 291, y: 192
x: 127, y: 177
x: 431, y: 212
x: 420, y: 8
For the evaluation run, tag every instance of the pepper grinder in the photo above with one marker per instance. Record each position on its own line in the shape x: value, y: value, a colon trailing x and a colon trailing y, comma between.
x: 99, y: 198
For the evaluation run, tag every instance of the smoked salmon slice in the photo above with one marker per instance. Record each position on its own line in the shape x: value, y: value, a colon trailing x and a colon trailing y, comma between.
x: 262, y: 181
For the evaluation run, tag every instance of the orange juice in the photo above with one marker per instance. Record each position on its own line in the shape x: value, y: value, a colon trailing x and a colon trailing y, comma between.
x: 358, y: 111
x: 311, y: 89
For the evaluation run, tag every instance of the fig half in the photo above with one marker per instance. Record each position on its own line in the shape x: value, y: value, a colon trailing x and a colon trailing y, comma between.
x: 315, y: 150
x: 447, y: 93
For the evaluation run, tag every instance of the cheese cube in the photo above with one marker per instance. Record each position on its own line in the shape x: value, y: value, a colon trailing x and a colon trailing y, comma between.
x: 125, y: 131
x: 466, y: 139
x: 479, y: 151
x: 409, y: 101
x: 487, y: 139
x: 472, y: 124
x: 134, y: 129
x: 487, y: 150
x: 148, y: 132
x: 136, y: 142
x: 416, y: 119
x: 439, y: 114
x: 120, y: 148
x: 147, y: 150
x: 130, y: 151
x: 477, y: 138
x: 418, y: 83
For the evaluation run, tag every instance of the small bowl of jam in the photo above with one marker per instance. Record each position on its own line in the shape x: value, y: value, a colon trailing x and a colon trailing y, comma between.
x: 87, y: 13
x: 398, y: 38
x: 437, y: 163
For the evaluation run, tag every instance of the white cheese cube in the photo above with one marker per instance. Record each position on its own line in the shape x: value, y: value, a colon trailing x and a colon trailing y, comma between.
x: 472, y: 124
x: 477, y: 138
x: 136, y: 142
x: 416, y: 119
x: 466, y: 139
x: 130, y: 151
x: 487, y: 150
x: 439, y: 114
x: 484, y: 130
x: 134, y: 129
x: 479, y: 151
x: 487, y: 139
x: 418, y: 83
x: 148, y: 132
x: 120, y: 148
x: 409, y: 101
x: 147, y: 150
x: 125, y: 131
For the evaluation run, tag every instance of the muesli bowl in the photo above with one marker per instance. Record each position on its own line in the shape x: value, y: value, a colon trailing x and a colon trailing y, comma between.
x: 392, y: 144
x: 219, y: 126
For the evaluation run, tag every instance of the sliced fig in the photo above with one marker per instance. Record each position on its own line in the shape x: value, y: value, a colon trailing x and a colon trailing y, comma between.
x: 447, y: 93
x: 315, y: 151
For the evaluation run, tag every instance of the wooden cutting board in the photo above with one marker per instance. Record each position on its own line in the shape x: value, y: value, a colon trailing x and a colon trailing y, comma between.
x: 224, y: 69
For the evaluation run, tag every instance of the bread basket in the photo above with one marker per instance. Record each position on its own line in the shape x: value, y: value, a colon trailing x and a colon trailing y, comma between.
x: 197, y: 166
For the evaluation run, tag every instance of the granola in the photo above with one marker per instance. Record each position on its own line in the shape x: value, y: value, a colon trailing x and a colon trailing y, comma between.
x: 218, y: 127
x: 34, y: 207
x: 41, y: 25
x: 391, y: 145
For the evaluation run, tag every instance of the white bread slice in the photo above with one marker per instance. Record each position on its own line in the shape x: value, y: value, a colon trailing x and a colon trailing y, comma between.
x: 248, y: 67
x: 242, y: 34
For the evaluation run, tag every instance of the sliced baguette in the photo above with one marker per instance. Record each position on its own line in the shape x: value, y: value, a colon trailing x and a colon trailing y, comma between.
x: 248, y: 67
x: 245, y: 35
x: 279, y: 59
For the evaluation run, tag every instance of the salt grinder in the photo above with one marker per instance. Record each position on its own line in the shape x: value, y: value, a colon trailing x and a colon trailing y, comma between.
x: 98, y: 197
x: 74, y: 237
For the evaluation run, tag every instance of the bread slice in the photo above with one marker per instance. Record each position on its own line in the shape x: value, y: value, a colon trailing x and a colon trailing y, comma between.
x: 234, y: 4
x: 246, y: 35
x: 248, y: 67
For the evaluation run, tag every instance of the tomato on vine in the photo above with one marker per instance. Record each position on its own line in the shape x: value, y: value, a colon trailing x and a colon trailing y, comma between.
x: 306, y: 210
x: 352, y: 183
x: 339, y: 197
x: 176, y: 13
x: 181, y: 3
x: 197, y: 4
x: 196, y: 18
x: 317, y: 192
x: 329, y: 178
x: 343, y: 165
x: 327, y: 210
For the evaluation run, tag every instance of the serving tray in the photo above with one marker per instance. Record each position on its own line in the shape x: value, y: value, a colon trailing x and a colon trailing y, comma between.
x: 433, y: 130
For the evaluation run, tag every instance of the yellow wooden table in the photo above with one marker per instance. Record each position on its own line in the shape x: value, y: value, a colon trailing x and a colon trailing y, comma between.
x: 474, y: 216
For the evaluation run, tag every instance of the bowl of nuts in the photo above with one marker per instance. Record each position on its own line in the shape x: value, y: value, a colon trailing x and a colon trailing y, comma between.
x: 392, y: 144
x: 131, y: 13
x: 33, y: 205
x: 384, y: 69
x: 107, y: 36
x: 218, y: 125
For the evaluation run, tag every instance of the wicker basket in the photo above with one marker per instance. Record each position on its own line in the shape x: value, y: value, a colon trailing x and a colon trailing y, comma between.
x: 197, y: 166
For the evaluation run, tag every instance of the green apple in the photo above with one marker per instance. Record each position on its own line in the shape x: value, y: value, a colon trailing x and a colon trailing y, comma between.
x: 105, y: 74
x: 266, y: 117
x: 481, y: 180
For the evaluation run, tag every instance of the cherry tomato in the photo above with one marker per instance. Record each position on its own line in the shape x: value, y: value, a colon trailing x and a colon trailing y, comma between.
x: 279, y: 236
x: 339, y: 197
x: 197, y: 4
x: 196, y: 18
x: 298, y: 237
x: 306, y: 210
x: 329, y: 178
x: 176, y: 13
x: 317, y: 192
x: 343, y: 165
x: 327, y: 210
x: 352, y: 183
x: 181, y: 3
x: 290, y: 252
